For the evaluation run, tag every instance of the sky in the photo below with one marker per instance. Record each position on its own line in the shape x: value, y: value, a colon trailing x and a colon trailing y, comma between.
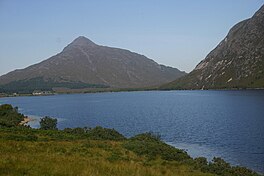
x: 171, y: 32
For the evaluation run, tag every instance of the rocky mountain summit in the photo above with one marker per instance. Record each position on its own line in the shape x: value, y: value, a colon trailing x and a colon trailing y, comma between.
x: 237, y: 61
x: 84, y: 64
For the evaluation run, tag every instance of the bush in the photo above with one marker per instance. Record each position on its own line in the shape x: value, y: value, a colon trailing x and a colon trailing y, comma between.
x: 100, y: 133
x: 221, y: 167
x: 242, y: 171
x: 48, y: 123
x: 201, y: 163
x: 79, y: 131
x: 6, y: 107
x: 9, y: 116
x: 22, y: 137
x: 148, y: 136
x: 151, y: 146
x: 97, y: 133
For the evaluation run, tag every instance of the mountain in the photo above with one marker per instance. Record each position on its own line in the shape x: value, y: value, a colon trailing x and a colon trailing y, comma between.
x: 237, y: 61
x: 84, y: 64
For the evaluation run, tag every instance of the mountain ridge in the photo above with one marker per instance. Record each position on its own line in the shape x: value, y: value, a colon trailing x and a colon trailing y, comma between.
x: 83, y: 61
x: 236, y: 62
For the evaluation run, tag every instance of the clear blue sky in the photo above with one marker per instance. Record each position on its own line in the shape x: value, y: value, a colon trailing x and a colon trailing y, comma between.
x: 172, y: 32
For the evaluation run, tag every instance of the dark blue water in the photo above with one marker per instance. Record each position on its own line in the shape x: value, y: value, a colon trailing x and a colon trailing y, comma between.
x: 227, y: 124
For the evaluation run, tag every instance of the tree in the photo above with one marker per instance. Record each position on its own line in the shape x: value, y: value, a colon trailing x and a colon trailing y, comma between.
x: 48, y: 123
x: 9, y: 116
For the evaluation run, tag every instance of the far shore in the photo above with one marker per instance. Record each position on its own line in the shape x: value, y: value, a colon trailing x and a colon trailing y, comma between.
x: 74, y: 91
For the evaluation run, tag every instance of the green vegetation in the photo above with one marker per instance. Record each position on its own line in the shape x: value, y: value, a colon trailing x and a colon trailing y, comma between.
x: 97, y: 133
x: 9, y: 116
x: 221, y: 167
x: 96, y: 151
x: 151, y: 146
x: 59, y: 153
x: 27, y: 87
x: 30, y: 85
x: 48, y: 123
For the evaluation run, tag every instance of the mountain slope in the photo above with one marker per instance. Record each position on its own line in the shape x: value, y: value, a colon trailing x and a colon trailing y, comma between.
x: 86, y: 64
x: 237, y: 62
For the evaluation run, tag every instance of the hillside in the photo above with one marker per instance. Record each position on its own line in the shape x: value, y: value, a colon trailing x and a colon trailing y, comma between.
x: 237, y: 61
x: 56, y: 153
x: 84, y: 64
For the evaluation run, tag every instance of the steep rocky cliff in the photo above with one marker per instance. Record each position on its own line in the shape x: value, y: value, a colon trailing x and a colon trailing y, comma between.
x: 237, y: 61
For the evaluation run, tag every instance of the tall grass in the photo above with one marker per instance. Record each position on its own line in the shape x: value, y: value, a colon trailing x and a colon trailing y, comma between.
x: 81, y: 157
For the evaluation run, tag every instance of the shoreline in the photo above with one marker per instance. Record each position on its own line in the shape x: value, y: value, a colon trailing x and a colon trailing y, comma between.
x: 26, y: 120
x: 139, y: 90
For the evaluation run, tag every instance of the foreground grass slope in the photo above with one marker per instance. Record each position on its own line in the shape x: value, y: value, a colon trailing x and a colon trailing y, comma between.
x: 36, y: 152
x: 96, y: 151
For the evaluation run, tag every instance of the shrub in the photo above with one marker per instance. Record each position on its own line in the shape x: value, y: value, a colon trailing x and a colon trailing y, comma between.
x: 100, y: 133
x: 9, y: 116
x: 242, y: 171
x: 148, y: 136
x: 21, y: 137
x: 79, y: 131
x: 201, y: 163
x: 222, y: 168
x: 151, y: 146
x: 48, y: 123
x: 6, y: 107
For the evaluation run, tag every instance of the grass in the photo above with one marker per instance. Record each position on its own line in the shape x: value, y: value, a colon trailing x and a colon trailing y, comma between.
x: 67, y: 154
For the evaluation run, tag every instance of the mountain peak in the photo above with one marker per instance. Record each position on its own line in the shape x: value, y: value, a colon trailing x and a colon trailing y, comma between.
x: 84, y: 65
x: 82, y: 41
x: 260, y: 12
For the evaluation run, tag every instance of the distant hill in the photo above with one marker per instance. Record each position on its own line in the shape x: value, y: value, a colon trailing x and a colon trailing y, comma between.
x: 84, y: 64
x: 237, y: 62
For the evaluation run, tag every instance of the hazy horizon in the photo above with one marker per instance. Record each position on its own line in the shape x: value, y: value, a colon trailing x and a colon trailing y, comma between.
x: 177, y: 34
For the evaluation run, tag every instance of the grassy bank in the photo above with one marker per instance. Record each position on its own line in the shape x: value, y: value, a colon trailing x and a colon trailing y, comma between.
x: 36, y: 152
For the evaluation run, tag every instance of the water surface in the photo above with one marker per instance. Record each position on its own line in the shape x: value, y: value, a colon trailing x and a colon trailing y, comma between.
x: 227, y: 124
